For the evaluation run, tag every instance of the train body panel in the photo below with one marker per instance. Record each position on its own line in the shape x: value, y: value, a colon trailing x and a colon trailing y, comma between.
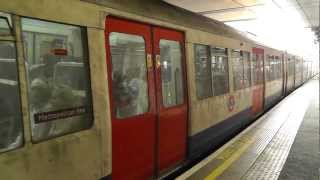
x: 214, y: 113
x: 199, y: 107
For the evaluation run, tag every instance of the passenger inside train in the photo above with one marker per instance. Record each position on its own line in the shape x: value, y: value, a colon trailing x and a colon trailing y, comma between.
x: 57, y: 70
x: 129, y: 77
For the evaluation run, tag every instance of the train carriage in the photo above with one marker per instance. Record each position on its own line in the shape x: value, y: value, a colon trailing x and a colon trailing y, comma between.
x: 274, y: 77
x: 103, y: 89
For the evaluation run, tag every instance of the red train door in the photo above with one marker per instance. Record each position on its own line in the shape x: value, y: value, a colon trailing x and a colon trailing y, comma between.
x: 132, y: 99
x: 171, y: 97
x: 147, y: 98
x: 258, y: 90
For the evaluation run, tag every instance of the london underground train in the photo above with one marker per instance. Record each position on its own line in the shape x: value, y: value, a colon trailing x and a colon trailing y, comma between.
x: 126, y: 89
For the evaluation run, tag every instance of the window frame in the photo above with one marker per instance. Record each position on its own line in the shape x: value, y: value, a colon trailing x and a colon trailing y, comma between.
x: 278, y: 59
x: 14, y: 28
x: 182, y: 76
x: 226, y: 55
x: 10, y: 26
x: 113, y: 109
x: 270, y: 64
x: 244, y: 71
x: 195, y: 66
x: 86, y: 61
x: 248, y: 68
x: 209, y: 62
x: 254, y: 69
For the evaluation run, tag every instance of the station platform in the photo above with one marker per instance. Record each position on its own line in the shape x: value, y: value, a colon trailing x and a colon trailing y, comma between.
x: 281, y: 144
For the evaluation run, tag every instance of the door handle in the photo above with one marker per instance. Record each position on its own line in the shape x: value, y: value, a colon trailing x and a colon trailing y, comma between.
x: 149, y: 61
x: 158, y: 62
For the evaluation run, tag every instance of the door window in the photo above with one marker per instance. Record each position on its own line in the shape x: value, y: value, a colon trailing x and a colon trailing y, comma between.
x: 171, y: 73
x: 129, y: 74
x: 255, y: 69
x: 246, y: 69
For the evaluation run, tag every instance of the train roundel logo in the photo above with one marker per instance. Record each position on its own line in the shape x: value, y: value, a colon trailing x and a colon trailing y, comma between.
x: 231, y: 103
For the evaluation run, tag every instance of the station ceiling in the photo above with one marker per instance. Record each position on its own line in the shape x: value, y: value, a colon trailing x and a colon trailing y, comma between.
x: 247, y: 10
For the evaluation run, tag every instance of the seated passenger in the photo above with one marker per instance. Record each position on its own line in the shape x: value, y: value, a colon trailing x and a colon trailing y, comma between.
x: 53, y: 57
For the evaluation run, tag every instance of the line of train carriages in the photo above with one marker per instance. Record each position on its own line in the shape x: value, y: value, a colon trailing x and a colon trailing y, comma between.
x: 100, y: 89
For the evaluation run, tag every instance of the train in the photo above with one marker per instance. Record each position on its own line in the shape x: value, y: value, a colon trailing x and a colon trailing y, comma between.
x: 127, y: 89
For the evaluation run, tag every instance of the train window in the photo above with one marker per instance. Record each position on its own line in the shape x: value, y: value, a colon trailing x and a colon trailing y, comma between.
x: 58, y: 78
x: 241, y: 69
x: 246, y: 69
x: 129, y: 75
x: 237, y: 67
x: 11, y: 135
x: 267, y: 67
x: 297, y: 66
x: 171, y: 73
x: 5, y: 24
x: 255, y: 71
x: 290, y: 67
x: 270, y: 68
x: 278, y: 63
x: 219, y: 69
x: 273, y: 68
x: 203, y: 71
x: 10, y: 111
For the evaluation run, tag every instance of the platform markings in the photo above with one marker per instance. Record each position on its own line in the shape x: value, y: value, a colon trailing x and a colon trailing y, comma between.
x: 229, y: 161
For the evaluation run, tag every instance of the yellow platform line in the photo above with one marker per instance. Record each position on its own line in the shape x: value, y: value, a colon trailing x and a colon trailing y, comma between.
x: 228, y: 162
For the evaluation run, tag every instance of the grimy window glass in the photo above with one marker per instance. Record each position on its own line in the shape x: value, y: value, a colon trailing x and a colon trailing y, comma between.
x: 276, y: 67
x: 11, y: 135
x: 129, y: 75
x: 219, y: 70
x: 246, y: 69
x: 58, y: 78
x: 10, y: 110
x: 290, y: 67
x: 238, y: 69
x: 260, y: 77
x: 297, y: 65
x: 269, y: 68
x: 279, y: 67
x: 171, y: 73
x: 203, y: 71
x: 5, y: 24
x: 255, y: 71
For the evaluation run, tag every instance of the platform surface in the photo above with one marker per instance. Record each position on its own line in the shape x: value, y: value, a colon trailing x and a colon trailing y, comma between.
x: 282, y: 144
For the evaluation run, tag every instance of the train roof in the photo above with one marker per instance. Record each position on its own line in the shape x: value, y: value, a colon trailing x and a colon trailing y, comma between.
x: 160, y: 10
